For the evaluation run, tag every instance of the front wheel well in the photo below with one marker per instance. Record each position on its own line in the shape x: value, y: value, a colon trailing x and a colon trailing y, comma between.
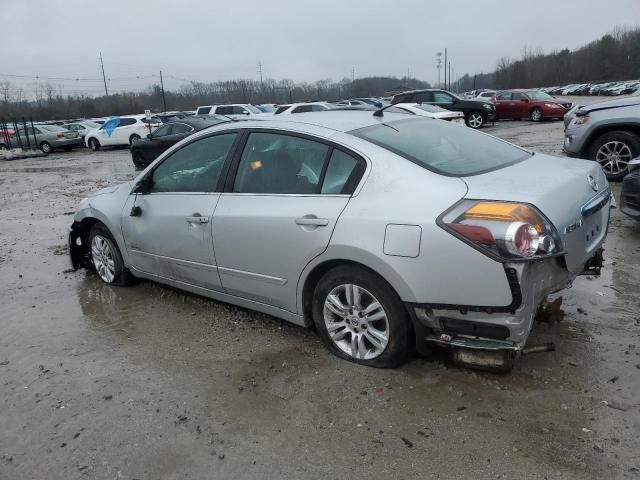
x: 597, y: 133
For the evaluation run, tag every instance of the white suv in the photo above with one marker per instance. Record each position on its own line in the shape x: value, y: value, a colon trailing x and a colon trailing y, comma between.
x: 120, y: 131
x: 235, y: 110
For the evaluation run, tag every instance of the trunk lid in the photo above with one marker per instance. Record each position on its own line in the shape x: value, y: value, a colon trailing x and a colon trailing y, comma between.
x: 572, y: 193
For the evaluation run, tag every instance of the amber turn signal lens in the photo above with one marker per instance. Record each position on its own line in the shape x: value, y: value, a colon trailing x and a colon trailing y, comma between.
x: 505, y: 212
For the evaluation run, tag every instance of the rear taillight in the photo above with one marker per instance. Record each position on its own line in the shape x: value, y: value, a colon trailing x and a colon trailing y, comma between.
x: 503, y: 230
x: 60, y: 135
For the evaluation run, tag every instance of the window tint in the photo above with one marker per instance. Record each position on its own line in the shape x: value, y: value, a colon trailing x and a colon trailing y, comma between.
x: 517, y: 96
x: 441, y: 97
x: 203, y: 111
x: 194, y: 168
x: 443, y: 147
x: 274, y: 163
x: 281, y: 109
x: 163, y: 131
x: 126, y: 121
x: 504, y: 96
x: 318, y: 108
x: 421, y: 97
x: 302, y: 109
x: 341, y: 168
x: 181, y: 128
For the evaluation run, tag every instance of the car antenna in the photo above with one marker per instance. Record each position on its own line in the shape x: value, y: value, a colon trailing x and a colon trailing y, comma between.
x: 380, y: 111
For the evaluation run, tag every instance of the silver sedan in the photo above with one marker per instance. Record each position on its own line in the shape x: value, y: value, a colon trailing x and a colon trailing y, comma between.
x: 387, y: 233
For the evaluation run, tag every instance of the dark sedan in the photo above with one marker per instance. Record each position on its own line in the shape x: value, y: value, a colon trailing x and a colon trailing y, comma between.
x: 146, y: 150
x: 630, y: 196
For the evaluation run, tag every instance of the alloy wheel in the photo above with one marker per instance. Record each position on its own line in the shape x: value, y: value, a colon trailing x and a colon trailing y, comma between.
x: 614, y: 157
x: 356, y: 322
x: 103, y: 260
x: 536, y: 115
x: 475, y: 120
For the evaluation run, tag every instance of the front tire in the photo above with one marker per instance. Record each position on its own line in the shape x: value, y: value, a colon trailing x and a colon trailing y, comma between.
x: 613, y: 151
x: 138, y: 161
x: 475, y: 119
x: 94, y: 144
x: 360, y: 318
x: 107, y: 259
x: 536, y: 115
x: 45, y: 147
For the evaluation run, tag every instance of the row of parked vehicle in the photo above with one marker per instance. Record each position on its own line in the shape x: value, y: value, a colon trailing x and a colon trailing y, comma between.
x: 626, y: 87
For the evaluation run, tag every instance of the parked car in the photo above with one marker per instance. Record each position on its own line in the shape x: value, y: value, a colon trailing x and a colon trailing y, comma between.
x: 533, y: 104
x: 352, y: 103
x: 476, y: 112
x: 82, y: 127
x: 236, y: 110
x: 630, y: 195
x: 607, y: 132
x: 120, y: 131
x: 146, y: 150
x: 385, y: 233
x: 428, y: 110
x: 303, y: 108
x: 47, y: 138
x: 267, y: 107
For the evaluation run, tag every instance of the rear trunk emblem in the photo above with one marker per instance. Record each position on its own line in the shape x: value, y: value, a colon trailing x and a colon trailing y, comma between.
x: 593, y: 182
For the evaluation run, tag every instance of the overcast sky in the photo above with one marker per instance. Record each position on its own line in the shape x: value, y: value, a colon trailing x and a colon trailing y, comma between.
x: 302, y: 40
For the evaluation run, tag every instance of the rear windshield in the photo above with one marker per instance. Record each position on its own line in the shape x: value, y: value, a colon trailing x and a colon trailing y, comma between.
x: 443, y: 147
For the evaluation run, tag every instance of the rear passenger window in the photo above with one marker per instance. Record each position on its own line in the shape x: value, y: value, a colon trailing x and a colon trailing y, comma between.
x: 339, y: 177
x: 126, y: 121
x: 423, y: 97
x: 203, y: 111
x: 275, y: 163
x: 302, y: 109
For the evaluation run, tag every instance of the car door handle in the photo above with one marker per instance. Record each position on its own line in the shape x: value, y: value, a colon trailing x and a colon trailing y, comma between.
x: 197, y: 218
x: 313, y: 221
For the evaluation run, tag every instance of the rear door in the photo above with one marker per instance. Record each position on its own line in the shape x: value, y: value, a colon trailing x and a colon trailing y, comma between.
x: 282, y: 201
x: 504, y: 107
x: 520, y: 105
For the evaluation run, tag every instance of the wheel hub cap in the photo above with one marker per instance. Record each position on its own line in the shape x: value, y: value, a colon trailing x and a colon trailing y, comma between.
x: 102, y: 258
x: 356, y: 322
x: 614, y: 157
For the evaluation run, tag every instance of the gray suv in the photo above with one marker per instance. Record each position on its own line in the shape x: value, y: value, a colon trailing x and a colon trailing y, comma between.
x: 607, y: 132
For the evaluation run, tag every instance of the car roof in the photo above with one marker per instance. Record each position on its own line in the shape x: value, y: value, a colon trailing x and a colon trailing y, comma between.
x: 338, y: 120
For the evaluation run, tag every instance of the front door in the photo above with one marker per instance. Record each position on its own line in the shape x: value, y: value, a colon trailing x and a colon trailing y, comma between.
x: 286, y: 198
x: 168, y: 228
x: 504, y: 105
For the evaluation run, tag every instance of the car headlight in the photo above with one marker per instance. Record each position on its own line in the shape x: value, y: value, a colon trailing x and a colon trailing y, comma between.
x: 503, y: 230
x: 581, y: 120
x: 552, y: 105
x: 488, y: 106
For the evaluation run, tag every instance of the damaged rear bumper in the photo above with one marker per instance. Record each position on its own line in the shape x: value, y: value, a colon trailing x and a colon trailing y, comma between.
x: 497, y: 328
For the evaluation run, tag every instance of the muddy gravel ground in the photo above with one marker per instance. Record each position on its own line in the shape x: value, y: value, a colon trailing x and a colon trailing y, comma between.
x: 150, y: 383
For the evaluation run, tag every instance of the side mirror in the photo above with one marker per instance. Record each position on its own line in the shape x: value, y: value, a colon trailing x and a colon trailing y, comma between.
x: 144, y: 185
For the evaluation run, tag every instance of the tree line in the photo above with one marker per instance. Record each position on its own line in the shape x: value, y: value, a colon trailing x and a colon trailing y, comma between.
x: 48, y: 103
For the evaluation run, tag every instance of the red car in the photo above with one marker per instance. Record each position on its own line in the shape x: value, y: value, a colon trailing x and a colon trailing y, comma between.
x: 532, y: 104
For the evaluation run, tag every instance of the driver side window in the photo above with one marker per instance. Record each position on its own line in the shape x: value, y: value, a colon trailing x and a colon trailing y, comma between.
x: 196, y: 167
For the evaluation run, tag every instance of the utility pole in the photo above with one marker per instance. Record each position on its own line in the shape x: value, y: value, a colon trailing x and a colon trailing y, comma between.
x: 260, y: 70
x: 445, y: 68
x: 353, y: 74
x: 449, y: 76
x: 439, y: 65
x: 164, y: 100
x: 106, y: 92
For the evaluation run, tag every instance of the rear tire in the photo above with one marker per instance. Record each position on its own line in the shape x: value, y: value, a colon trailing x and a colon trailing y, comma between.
x: 369, y: 326
x: 536, y: 115
x: 107, y: 259
x: 45, y: 147
x: 133, y: 138
x: 613, y: 151
x: 138, y: 161
x: 94, y: 144
x: 475, y: 119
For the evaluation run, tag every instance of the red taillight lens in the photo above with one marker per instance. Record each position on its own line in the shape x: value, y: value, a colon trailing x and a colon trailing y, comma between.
x: 505, y: 230
x: 60, y: 135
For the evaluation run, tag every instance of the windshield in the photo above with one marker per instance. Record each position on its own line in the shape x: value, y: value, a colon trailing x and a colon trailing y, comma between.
x: 266, y: 108
x: 538, y: 95
x: 443, y: 147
